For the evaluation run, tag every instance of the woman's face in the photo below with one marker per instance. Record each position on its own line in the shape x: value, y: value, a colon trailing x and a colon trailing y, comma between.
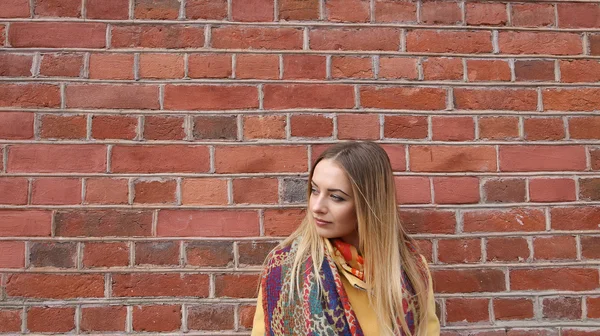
x: 331, y: 203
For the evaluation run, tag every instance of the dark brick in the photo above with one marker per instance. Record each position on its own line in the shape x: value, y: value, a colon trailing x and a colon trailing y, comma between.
x: 44, y: 254
x: 294, y: 190
x: 210, y: 253
x: 589, y: 189
x: 504, y: 190
x: 211, y: 317
x: 157, y: 253
x: 562, y: 308
x: 254, y: 253
x: 215, y: 127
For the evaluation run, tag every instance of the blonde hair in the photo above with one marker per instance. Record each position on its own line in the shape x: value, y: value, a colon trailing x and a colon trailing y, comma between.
x: 382, y: 239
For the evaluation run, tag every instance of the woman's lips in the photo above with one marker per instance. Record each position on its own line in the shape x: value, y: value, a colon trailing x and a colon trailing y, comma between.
x: 321, y: 222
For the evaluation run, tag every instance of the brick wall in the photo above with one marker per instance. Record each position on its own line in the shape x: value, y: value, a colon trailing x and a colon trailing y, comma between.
x: 153, y: 151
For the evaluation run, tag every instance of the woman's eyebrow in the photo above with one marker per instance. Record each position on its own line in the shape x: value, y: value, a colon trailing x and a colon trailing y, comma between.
x: 330, y: 190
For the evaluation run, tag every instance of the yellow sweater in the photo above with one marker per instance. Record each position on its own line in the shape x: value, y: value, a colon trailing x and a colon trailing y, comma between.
x: 363, y: 310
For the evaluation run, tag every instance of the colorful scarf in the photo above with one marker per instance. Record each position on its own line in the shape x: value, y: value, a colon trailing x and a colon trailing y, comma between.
x: 330, y: 312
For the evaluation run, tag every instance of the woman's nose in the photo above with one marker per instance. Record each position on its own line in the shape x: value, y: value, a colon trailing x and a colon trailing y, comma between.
x: 317, y: 204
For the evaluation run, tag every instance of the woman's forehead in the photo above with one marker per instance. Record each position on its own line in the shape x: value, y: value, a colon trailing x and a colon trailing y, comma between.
x: 329, y: 174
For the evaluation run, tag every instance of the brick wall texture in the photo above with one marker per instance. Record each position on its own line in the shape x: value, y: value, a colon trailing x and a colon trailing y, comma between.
x: 153, y: 151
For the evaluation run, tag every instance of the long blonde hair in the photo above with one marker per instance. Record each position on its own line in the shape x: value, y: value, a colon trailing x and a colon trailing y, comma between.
x: 382, y: 239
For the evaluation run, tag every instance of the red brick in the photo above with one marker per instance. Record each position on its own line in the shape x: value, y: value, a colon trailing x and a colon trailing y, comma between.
x: 35, y: 35
x: 274, y: 159
x: 395, y: 11
x: 504, y: 190
x: 105, y: 254
x: 157, y: 318
x: 25, y: 223
x: 542, y: 158
x: 447, y: 41
x: 208, y: 223
x: 160, y: 159
x: 405, y: 127
x: 412, y: 190
x: 252, y: 10
x: 488, y: 70
x: 442, y: 68
x: 595, y: 158
x: 456, y: 190
x: 578, y: 332
x: 55, y: 286
x: 578, y: 15
x: 51, y: 319
x: 397, y: 156
x: 57, y: 8
x: 107, y: 9
x: 2, y: 34
x: 372, y: 38
x: 409, y: 98
x: 161, y: 66
x: 257, y: 66
x: 61, y: 65
x: 577, y: 218
x: 571, y: 99
x: 566, y: 279
x: 398, y: 68
x: 157, y: 36
x: 593, y: 307
x: 493, y: 14
x: 57, y: 158
x: 206, y: 9
x: 103, y: 223
x: 29, y: 95
x: 14, y: 190
x: 211, y: 317
x: 358, y: 126
x: 282, y: 222
x: 498, y: 128
x: 546, y: 43
x: 254, y: 253
x: 496, y: 99
x: 552, y: 190
x: 10, y: 320
x: 236, y: 285
x: 298, y: 10
x: 12, y: 255
x: 468, y: 281
x: 507, y: 249
x: 544, y: 128
x: 204, y: 191
x: 210, y: 97
x: 155, y: 284
x: 156, y: 9
x: 112, y: 96
x: 351, y: 67
x: 209, y: 66
x: 108, y: 318
x: 54, y: 126
x: 574, y: 71
x: 304, y: 66
x: 56, y: 191
x: 452, y: 158
x: 215, y: 127
x: 348, y: 11
x: 453, y: 251
x: 425, y: 248
x: 111, y: 66
x: 534, y: 70
x: 453, y: 128
x: 512, y: 220
x: 164, y: 128
x: 441, y: 12
x: 255, y: 191
x: 114, y: 127
x: 241, y: 37
x: 555, y: 247
x: 53, y: 254
x: 16, y: 125
x: 589, y: 189
x: 428, y: 221
x: 562, y: 308
x: 264, y: 127
x: 594, y: 44
x: 210, y: 253
x: 294, y: 96
x: 513, y: 309
x: 467, y: 310
x: 106, y: 191
x: 157, y: 253
x: 532, y: 14
x: 15, y: 65
x: 311, y: 125
x: 15, y: 9
x: 155, y: 191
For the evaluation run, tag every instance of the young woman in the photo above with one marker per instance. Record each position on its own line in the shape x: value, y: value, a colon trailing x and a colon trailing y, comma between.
x: 350, y: 268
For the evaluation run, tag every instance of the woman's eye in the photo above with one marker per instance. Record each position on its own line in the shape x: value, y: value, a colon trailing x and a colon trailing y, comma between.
x: 313, y: 190
x: 337, y: 198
